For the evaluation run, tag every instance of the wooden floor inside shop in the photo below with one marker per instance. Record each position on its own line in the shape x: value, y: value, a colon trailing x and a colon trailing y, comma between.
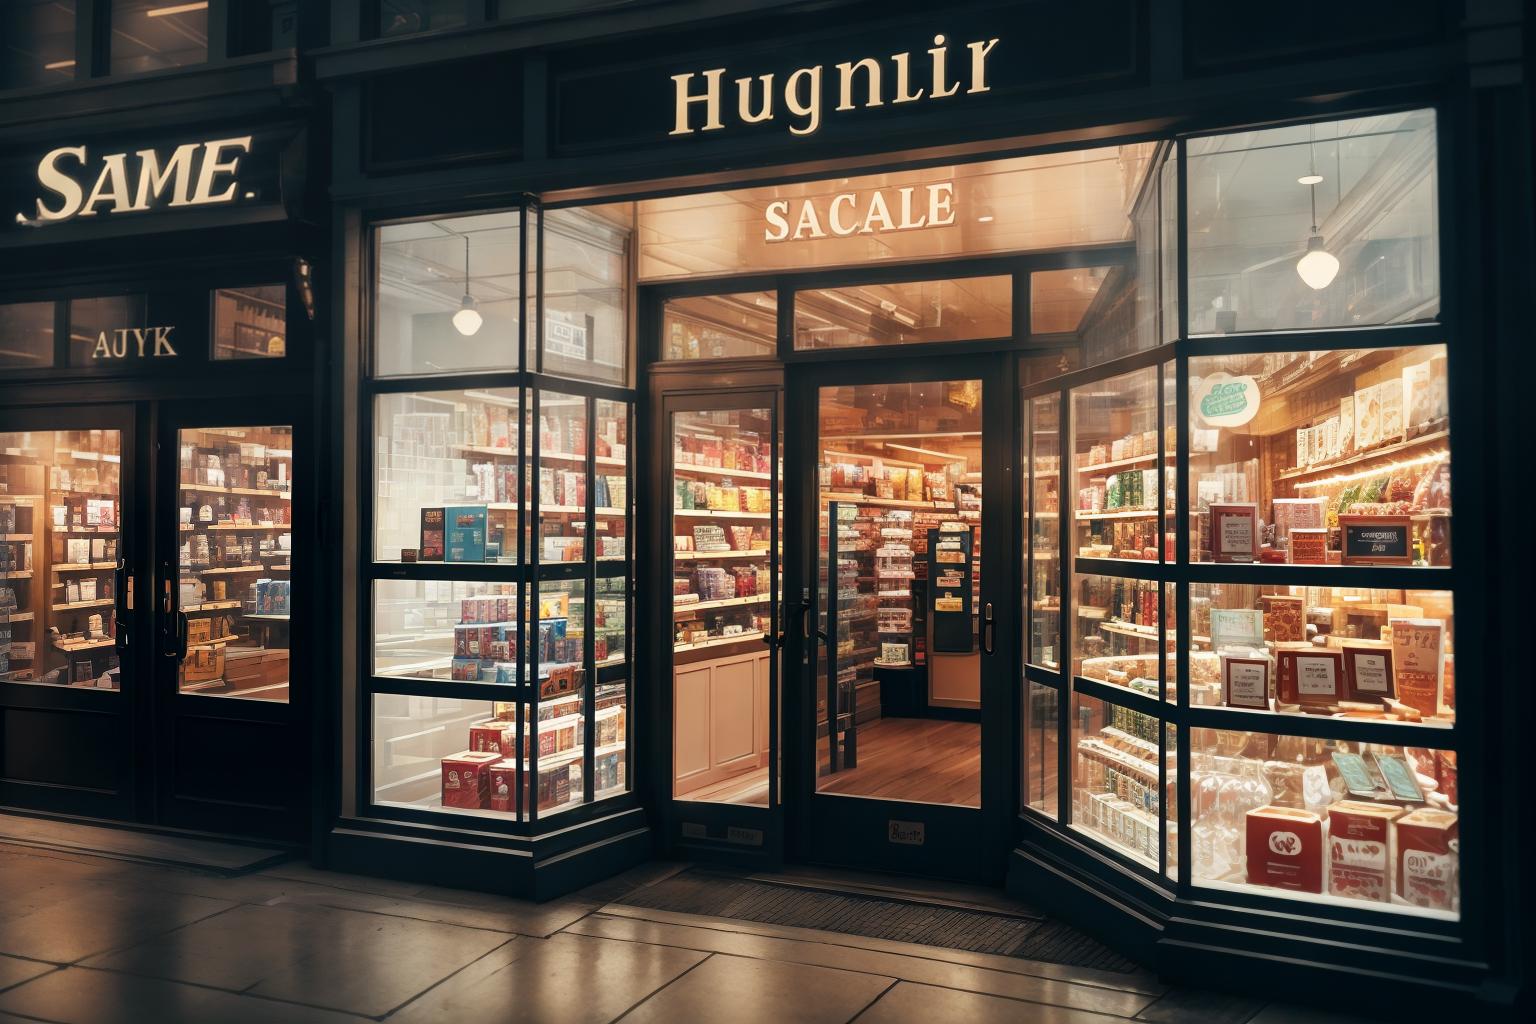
x: 750, y: 788
x: 916, y: 759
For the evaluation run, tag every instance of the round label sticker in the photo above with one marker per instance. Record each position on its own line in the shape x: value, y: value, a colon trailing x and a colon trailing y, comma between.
x: 1227, y: 401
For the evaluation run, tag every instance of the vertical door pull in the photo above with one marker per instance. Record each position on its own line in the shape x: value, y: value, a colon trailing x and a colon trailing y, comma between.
x: 987, y: 628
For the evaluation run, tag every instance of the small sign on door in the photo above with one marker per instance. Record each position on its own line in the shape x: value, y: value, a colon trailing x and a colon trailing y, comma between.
x: 906, y: 833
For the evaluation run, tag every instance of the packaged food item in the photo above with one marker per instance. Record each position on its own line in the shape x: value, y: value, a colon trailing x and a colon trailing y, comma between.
x: 1392, y: 428
x: 1427, y: 848
x: 503, y: 777
x: 1285, y: 618
x: 1346, y: 424
x: 1367, y: 418
x: 1285, y: 848
x: 1360, y: 858
x: 467, y: 778
x: 1234, y: 531
x: 1418, y: 663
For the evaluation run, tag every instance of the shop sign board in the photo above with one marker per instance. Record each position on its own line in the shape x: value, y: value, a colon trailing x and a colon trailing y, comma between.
x: 906, y: 833
x: 133, y: 343
x: 853, y: 213
x: 74, y: 181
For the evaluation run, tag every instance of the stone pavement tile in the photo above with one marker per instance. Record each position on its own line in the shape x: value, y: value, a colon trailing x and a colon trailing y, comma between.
x: 1284, y: 1013
x: 79, y: 995
x: 907, y: 1003
x: 498, y: 913
x: 300, y: 871
x: 572, y: 979
x: 342, y: 959
x: 98, y: 918
x: 749, y: 991
x: 30, y: 882
x: 14, y: 971
x: 256, y: 889
x: 1194, y: 1006
x: 893, y: 965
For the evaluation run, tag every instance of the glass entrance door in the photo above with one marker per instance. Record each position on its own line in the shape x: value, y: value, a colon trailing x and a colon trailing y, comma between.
x: 905, y: 572
x: 227, y: 610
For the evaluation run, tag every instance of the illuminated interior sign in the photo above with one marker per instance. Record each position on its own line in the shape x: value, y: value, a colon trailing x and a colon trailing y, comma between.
x: 134, y: 343
x: 850, y: 213
x: 71, y: 182
x: 861, y: 84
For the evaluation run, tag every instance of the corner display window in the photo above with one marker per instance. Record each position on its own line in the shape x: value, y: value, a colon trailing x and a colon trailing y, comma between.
x: 39, y: 46
x: 149, y: 35
x: 250, y: 322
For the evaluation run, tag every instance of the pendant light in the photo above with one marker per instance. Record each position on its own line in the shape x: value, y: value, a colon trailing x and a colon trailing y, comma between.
x: 1317, y: 266
x: 468, y: 319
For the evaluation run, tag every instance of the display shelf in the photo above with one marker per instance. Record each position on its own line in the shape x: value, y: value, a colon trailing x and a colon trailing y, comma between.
x: 250, y: 491
x: 17, y: 574
x: 1134, y: 460
x: 719, y: 641
x: 729, y: 474
x: 16, y: 616
x: 22, y: 537
x: 871, y: 500
x: 699, y: 556
x: 211, y: 606
x: 101, y: 603
x: 710, y: 513
x: 82, y: 566
x: 235, y: 569
x: 1366, y: 457
x: 253, y: 617
x: 1085, y: 517
x: 729, y: 602
x: 89, y: 645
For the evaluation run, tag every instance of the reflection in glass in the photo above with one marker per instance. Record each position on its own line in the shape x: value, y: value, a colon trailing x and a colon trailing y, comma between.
x: 235, y: 523
x: 148, y: 35
x: 26, y: 334
x: 909, y: 313
x: 1117, y: 631
x: 443, y: 630
x: 1364, y: 189
x: 1043, y: 508
x: 720, y: 326
x: 586, y: 308
x: 250, y: 323
x: 1116, y: 783
x: 1116, y: 451
x: 899, y: 508
x: 98, y: 328
x: 38, y: 43
x: 1059, y: 299
x: 60, y: 531
x: 1338, y: 457
x: 1041, y: 746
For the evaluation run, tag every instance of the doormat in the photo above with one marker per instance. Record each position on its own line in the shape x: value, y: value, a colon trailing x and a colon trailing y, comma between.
x: 716, y: 894
x: 138, y: 847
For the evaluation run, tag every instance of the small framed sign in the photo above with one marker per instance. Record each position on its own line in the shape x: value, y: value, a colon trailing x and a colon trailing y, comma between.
x: 1234, y: 531
x: 1308, y: 545
x: 1245, y: 682
x: 1368, y: 673
x: 1377, y: 540
x: 1310, y: 677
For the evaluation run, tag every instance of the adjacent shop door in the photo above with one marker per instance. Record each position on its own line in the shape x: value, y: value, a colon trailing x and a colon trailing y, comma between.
x: 720, y: 461
x: 900, y: 557
x: 230, y: 755
x: 72, y: 643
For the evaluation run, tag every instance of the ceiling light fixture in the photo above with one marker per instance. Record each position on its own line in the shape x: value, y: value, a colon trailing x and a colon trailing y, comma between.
x: 1317, y: 266
x: 468, y: 319
x: 165, y: 12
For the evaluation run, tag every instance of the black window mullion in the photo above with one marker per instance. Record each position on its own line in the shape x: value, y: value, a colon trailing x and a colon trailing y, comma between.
x: 589, y: 608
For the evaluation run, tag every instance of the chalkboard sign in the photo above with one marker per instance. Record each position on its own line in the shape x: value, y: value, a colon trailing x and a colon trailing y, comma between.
x: 949, y: 591
x: 1377, y: 540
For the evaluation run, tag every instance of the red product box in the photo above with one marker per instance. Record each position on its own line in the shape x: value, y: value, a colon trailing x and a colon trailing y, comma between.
x: 1360, y: 849
x: 503, y: 785
x: 1427, y: 848
x: 466, y: 779
x: 1285, y: 848
x: 498, y: 738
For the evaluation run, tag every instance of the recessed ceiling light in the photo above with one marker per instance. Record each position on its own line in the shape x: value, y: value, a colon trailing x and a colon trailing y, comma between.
x: 165, y: 12
x: 985, y: 218
x: 1310, y: 179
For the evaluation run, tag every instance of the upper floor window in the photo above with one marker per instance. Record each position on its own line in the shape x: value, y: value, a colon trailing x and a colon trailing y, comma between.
x: 148, y: 35
x: 401, y: 17
x: 37, y: 43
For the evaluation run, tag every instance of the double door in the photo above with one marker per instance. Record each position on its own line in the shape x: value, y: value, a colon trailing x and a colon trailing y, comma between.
x: 841, y: 573
x: 147, y: 567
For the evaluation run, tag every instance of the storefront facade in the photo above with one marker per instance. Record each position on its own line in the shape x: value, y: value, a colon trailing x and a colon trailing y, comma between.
x: 1008, y: 443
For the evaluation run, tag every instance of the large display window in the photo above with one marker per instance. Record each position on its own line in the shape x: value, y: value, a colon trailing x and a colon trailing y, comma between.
x: 502, y: 508
x: 1260, y: 661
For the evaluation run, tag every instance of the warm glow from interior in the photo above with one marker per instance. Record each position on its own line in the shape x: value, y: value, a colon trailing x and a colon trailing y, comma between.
x: 165, y: 12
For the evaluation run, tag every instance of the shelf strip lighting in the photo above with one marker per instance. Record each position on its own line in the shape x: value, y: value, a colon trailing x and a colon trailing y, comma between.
x: 1364, y: 474
x: 165, y: 12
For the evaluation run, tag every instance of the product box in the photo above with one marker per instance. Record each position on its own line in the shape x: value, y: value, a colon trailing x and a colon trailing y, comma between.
x: 503, y: 785
x: 1427, y: 847
x: 1285, y: 618
x: 1418, y: 663
x: 1360, y: 849
x: 1392, y: 426
x: 1307, y: 546
x: 1234, y: 531
x: 494, y: 738
x: 464, y: 533
x: 1314, y: 677
x: 467, y: 778
x: 1367, y: 418
x: 1346, y: 425
x: 432, y: 535
x: 1285, y: 848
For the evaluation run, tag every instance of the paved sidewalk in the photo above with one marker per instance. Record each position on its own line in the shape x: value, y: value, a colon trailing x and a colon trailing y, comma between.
x: 86, y: 939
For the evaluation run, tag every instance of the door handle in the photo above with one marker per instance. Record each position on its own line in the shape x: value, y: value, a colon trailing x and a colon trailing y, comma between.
x: 987, y: 628
x: 123, y: 596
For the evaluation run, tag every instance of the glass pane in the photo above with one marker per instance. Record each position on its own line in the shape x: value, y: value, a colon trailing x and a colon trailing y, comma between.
x: 236, y: 489
x: 1171, y: 801
x: 1042, y: 748
x: 612, y: 502
x: 1041, y: 202
x: 1059, y: 299
x: 99, y: 329
x: 445, y: 754
x: 1386, y: 655
x: 610, y: 616
x: 446, y: 630
x: 148, y: 35
x: 610, y: 762
x: 1116, y: 450
x: 38, y: 45
x: 721, y: 326
x: 1043, y: 504
x: 1116, y: 784
x: 402, y: 17
x: 722, y: 523
x: 1168, y: 245
x: 900, y: 556
x: 440, y: 451
x: 562, y: 477
x: 250, y: 323
x: 586, y: 292
x: 1327, y: 821
x: 1321, y: 458
x: 1314, y: 226
x: 562, y: 678
x: 26, y: 334
x: 449, y: 295
x: 963, y: 309
x: 60, y: 527
x: 1115, y: 638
